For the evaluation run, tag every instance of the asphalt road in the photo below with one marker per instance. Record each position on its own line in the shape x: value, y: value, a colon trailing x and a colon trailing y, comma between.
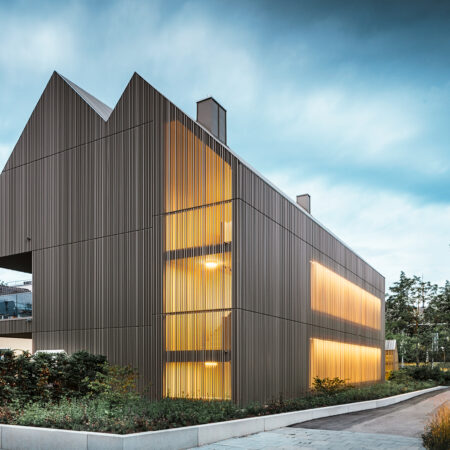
x: 403, y: 419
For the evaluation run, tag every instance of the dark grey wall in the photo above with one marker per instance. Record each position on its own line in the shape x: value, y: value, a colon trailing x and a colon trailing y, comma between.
x: 86, y: 198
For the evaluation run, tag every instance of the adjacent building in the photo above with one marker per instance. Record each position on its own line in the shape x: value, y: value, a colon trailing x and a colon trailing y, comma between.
x: 391, y: 356
x: 151, y: 242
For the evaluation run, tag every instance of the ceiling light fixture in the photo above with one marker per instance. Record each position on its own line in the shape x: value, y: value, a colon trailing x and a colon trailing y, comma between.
x: 211, y: 264
x: 211, y: 364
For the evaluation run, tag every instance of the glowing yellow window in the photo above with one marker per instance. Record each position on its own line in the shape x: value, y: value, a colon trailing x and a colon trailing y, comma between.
x: 198, y: 331
x: 208, y: 380
x: 198, y: 283
x: 199, y: 227
x: 195, y: 173
x: 350, y: 362
x: 338, y: 297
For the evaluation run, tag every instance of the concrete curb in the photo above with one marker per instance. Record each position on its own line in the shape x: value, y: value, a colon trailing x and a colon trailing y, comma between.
x: 32, y: 438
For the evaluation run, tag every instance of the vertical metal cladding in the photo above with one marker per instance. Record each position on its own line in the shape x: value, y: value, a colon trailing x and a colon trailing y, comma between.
x: 298, y: 285
x: 152, y: 244
x: 79, y: 193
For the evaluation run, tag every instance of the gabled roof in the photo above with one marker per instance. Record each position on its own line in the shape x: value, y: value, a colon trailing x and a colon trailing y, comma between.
x: 104, y: 111
x: 32, y: 144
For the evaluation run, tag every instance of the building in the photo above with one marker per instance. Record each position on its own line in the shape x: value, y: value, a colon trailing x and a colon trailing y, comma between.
x: 151, y: 242
x: 391, y: 356
x: 15, y: 301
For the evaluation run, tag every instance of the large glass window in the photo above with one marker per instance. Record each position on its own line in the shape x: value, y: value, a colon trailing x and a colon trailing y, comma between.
x: 350, y: 362
x: 197, y: 268
x: 338, y: 297
x: 17, y: 305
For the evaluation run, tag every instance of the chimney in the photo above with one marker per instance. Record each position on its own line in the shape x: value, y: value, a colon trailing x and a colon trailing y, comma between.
x: 213, y: 117
x: 304, y: 201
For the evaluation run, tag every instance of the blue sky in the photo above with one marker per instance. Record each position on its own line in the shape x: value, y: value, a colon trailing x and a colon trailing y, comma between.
x: 348, y: 101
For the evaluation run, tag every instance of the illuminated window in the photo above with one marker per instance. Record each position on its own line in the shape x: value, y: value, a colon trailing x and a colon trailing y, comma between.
x: 350, y: 362
x: 197, y: 268
x: 336, y: 296
x: 198, y: 283
x: 198, y: 331
x: 195, y: 173
x: 209, y: 380
x: 205, y: 226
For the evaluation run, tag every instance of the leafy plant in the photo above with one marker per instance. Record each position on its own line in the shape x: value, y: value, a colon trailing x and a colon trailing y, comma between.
x: 115, y: 384
x: 45, y: 377
x: 329, y: 385
x: 421, y: 373
x: 84, y: 392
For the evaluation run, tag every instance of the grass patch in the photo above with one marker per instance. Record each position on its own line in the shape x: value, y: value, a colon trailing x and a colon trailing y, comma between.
x: 437, y: 431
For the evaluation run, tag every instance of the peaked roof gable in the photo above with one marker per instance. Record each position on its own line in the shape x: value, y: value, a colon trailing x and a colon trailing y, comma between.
x: 64, y: 117
x: 104, y: 111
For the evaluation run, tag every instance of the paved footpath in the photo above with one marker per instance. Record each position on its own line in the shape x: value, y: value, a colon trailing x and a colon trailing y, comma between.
x: 393, y: 427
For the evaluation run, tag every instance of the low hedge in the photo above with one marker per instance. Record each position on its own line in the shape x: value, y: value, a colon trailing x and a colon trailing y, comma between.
x: 83, y: 392
x: 421, y: 373
x: 136, y: 414
x: 47, y: 377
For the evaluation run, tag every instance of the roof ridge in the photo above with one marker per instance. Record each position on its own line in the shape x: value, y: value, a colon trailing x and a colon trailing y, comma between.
x: 103, y: 110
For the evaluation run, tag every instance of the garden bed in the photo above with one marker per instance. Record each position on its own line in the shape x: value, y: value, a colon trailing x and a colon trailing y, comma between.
x: 131, y: 415
x: 84, y: 393
x: 31, y: 438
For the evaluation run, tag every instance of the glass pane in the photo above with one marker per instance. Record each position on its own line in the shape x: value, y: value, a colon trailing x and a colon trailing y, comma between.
x: 338, y: 297
x: 199, y: 227
x: 208, y: 380
x: 200, y: 331
x: 195, y: 173
x: 198, y: 283
x: 350, y: 362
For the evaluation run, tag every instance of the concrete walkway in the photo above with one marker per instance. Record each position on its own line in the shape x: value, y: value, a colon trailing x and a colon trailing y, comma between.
x: 393, y: 427
x: 403, y: 419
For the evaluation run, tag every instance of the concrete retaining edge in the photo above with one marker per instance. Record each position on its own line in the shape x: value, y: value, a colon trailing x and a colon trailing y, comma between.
x: 14, y: 437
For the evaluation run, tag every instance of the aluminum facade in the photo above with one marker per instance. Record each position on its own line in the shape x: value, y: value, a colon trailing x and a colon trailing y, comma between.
x: 87, y: 199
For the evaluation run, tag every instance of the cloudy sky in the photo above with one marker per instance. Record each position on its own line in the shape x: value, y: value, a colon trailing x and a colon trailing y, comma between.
x: 348, y: 101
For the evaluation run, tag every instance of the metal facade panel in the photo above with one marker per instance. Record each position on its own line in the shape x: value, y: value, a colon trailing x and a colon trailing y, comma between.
x: 15, y: 327
x: 97, y: 283
x: 89, y: 199
x: 138, y: 105
x: 61, y: 120
x: 275, y: 243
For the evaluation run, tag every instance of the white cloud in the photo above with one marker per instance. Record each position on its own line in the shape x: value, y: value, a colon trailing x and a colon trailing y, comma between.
x: 391, y: 231
x: 190, y: 49
x: 368, y: 127
x: 34, y: 46
x: 11, y: 275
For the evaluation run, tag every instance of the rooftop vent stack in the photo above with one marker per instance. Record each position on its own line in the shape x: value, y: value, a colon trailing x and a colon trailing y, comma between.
x: 304, y: 201
x: 213, y: 117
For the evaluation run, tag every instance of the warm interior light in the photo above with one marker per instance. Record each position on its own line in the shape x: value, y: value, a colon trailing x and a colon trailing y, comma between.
x: 211, y: 264
x: 353, y: 363
x: 336, y: 296
x: 210, y: 364
x: 194, y: 380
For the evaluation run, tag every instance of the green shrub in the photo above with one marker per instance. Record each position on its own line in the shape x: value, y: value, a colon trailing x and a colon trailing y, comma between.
x: 115, y: 384
x: 329, y: 385
x: 47, y: 377
x: 400, y: 376
x: 437, y: 431
x: 84, y: 392
x: 421, y: 373
x: 131, y: 413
